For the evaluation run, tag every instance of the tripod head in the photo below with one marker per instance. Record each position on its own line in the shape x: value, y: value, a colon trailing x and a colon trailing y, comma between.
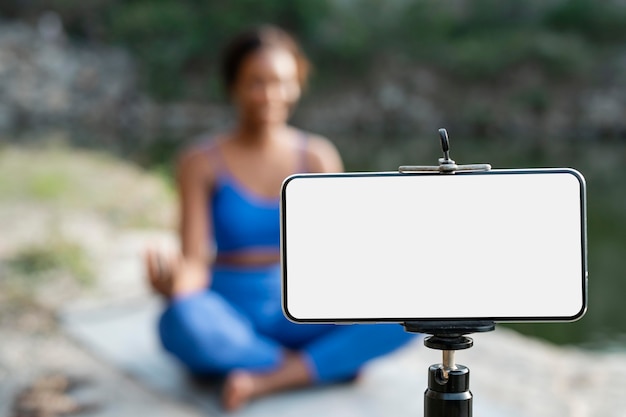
x: 448, y: 393
x: 449, y: 336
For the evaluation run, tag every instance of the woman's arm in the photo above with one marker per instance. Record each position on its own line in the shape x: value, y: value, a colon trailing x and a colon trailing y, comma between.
x: 194, y: 180
x: 188, y: 272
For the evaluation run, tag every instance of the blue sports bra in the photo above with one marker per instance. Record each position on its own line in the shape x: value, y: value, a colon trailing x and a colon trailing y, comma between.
x: 243, y: 220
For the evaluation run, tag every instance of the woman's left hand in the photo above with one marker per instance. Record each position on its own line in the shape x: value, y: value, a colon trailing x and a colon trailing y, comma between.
x: 173, y: 275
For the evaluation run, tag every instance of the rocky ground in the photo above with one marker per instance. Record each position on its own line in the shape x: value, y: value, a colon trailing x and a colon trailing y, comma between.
x: 60, y: 229
x: 73, y: 228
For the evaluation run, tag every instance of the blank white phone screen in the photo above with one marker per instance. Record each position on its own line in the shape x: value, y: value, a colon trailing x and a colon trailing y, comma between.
x: 503, y: 245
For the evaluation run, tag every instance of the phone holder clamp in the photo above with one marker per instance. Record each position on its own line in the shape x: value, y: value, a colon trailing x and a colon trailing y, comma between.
x: 446, y: 164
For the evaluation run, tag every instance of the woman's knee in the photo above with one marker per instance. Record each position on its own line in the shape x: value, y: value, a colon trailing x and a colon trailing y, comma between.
x: 214, y: 339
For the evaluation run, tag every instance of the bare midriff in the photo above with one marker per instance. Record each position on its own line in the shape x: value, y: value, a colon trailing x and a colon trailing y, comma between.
x: 248, y: 258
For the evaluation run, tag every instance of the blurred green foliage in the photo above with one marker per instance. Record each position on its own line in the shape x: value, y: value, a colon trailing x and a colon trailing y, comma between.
x: 58, y: 179
x: 178, y: 42
x: 55, y: 255
x: 48, y: 186
x: 186, y: 37
x: 596, y: 20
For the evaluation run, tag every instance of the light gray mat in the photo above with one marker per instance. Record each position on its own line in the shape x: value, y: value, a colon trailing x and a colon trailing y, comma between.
x: 124, y: 335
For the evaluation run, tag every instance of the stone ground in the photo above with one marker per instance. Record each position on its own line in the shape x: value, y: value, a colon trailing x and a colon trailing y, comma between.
x: 512, y: 375
x: 33, y: 345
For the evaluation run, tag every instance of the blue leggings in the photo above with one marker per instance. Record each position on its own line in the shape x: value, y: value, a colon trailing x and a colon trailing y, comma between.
x: 238, y: 324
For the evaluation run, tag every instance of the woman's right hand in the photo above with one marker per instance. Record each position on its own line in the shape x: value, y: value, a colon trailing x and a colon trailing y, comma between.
x: 172, y: 275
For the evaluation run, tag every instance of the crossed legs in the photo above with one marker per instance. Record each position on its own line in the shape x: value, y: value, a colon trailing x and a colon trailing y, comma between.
x: 211, y: 336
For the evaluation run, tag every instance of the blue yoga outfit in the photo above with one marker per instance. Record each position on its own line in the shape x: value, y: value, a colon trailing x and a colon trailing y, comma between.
x: 237, y: 323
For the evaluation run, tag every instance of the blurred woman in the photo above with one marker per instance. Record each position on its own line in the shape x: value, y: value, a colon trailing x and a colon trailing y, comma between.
x: 224, y: 315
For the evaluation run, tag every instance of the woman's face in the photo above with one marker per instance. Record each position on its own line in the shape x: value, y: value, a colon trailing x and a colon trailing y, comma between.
x: 267, y: 87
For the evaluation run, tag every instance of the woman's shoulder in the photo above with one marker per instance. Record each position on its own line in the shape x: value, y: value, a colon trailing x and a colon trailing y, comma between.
x: 200, y: 155
x: 321, y: 153
x: 202, y: 145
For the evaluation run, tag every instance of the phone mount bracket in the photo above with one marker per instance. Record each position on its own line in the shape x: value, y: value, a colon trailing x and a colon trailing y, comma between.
x: 448, y: 393
x: 446, y: 165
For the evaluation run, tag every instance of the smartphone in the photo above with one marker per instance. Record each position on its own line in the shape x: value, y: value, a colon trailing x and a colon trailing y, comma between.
x: 501, y: 245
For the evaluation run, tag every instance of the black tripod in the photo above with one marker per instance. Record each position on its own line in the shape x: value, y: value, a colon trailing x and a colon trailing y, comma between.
x: 448, y: 393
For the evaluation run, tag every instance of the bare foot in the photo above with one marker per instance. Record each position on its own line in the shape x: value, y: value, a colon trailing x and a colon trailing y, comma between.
x: 239, y: 389
x: 243, y: 386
